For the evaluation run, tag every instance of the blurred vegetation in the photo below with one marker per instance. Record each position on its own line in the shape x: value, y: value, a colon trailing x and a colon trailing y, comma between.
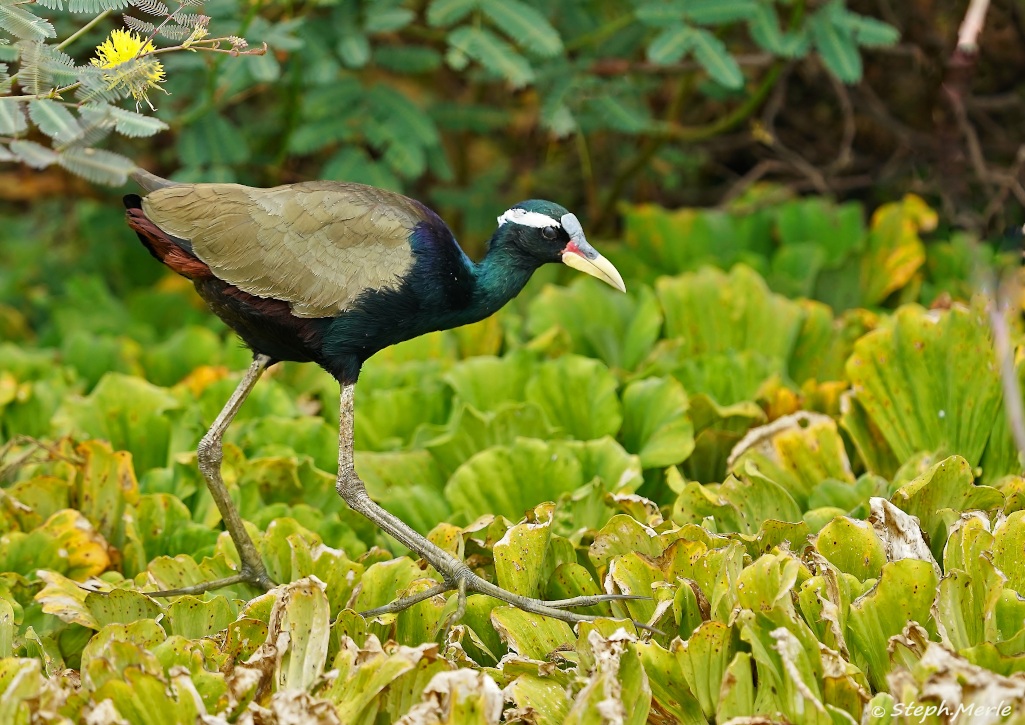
x: 789, y: 433
x: 807, y: 469
x: 474, y: 104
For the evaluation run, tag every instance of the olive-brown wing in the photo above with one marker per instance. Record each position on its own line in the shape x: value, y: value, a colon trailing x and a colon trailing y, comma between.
x: 315, y: 245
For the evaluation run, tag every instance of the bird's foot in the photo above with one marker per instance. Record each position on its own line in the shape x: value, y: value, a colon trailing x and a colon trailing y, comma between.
x: 253, y: 575
x: 459, y: 578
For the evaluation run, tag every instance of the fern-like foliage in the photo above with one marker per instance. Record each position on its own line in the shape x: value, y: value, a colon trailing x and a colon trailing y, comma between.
x: 44, y: 67
x: 495, y: 54
x: 96, y: 123
x: 525, y: 25
x: 12, y: 118
x: 96, y: 6
x: 32, y: 154
x: 173, y: 31
x: 193, y: 20
x: 54, y: 120
x: 97, y: 85
x: 96, y: 165
x: 142, y: 27
x: 75, y: 107
x: 152, y: 7
x: 127, y: 123
x: 22, y: 24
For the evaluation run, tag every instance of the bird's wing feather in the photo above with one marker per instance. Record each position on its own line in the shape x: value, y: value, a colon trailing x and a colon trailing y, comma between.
x: 316, y: 245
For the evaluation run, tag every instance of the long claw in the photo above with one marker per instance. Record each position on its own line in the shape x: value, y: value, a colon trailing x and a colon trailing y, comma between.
x: 263, y: 582
x: 592, y: 599
x: 406, y: 602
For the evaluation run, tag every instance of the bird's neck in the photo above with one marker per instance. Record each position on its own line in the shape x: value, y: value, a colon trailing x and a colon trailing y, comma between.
x: 500, y: 275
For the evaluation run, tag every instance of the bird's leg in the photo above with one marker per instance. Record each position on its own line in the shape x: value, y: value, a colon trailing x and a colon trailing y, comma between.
x: 210, y: 454
x: 456, y: 574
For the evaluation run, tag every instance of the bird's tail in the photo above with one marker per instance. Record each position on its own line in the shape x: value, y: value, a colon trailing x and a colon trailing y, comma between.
x: 174, y: 252
x: 150, y: 182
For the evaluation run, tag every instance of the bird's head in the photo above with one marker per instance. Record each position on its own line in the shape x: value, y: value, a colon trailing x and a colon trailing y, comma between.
x: 550, y: 233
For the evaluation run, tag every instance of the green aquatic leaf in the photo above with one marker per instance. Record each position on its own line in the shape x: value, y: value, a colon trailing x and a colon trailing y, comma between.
x: 530, y: 635
x: 407, y: 483
x: 633, y: 573
x: 520, y: 554
x: 132, y: 414
x: 387, y: 418
x: 578, y: 395
x: 966, y: 604
x: 937, y: 497
x: 299, y: 623
x: 1008, y: 543
x: 192, y: 617
x: 66, y: 544
x: 797, y: 452
x: 894, y: 252
x: 623, y: 535
x: 714, y: 312
x: 904, y: 594
x: 668, y: 686
x: 852, y: 546
x: 105, y: 488
x: 485, y: 382
x: 472, y: 431
x: 185, y: 350
x: 703, y: 660
x: 715, y: 571
x: 547, y: 699
x: 927, y: 383
x: 121, y: 606
x: 617, y: 687
x: 739, y: 504
x: 738, y: 689
x: 620, y: 330
x: 509, y: 480
x: 655, y: 422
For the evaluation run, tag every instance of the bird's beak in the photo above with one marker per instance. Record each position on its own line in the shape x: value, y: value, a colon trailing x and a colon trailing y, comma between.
x: 596, y: 266
x: 578, y: 254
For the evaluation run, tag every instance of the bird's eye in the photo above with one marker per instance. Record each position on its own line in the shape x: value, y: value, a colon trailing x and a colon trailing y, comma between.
x: 549, y: 233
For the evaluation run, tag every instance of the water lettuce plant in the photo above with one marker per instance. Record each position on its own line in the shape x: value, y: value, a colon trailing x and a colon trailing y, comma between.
x: 803, y: 465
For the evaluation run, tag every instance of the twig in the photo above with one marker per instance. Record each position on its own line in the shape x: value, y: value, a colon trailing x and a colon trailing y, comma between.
x: 971, y: 26
x: 742, y: 184
x: 844, y: 153
x: 52, y: 93
x: 83, y: 30
x: 997, y: 308
x: 962, y: 66
x: 1010, y: 184
x: 804, y: 167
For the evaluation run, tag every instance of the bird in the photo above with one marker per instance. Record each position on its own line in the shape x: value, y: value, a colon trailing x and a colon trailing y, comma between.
x: 332, y: 272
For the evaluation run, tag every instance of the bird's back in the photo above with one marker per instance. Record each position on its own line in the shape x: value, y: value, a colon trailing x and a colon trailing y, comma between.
x: 293, y: 268
x: 316, y: 245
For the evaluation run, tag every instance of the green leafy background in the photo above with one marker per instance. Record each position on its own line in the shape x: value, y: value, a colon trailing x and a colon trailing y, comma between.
x: 789, y: 435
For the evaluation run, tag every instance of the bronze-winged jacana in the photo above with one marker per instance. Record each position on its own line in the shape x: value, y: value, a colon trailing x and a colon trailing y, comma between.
x: 331, y: 273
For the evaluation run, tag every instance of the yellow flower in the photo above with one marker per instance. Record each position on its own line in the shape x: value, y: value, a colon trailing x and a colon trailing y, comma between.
x: 121, y: 47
